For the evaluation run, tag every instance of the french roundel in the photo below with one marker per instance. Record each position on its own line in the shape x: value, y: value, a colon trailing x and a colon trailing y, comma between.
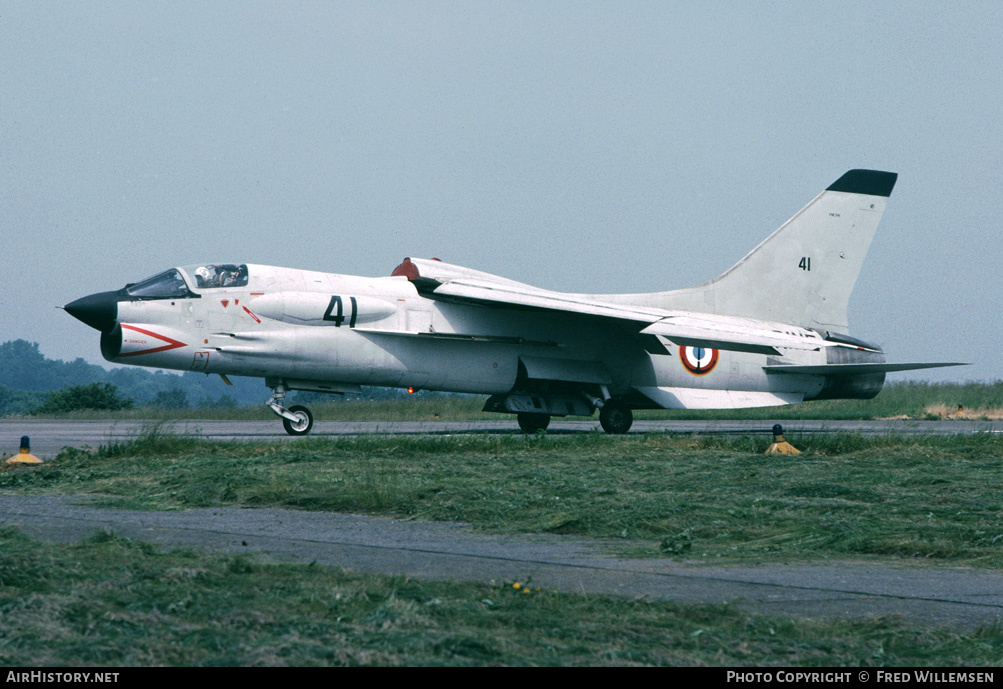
x: 698, y: 360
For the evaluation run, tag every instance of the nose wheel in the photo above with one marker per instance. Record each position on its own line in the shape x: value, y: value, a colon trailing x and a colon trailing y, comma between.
x: 303, y: 422
x: 297, y: 419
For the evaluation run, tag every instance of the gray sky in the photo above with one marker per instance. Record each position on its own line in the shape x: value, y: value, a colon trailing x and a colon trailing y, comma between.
x: 588, y: 147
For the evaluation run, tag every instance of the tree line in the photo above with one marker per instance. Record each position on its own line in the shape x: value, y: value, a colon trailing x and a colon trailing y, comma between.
x: 32, y: 383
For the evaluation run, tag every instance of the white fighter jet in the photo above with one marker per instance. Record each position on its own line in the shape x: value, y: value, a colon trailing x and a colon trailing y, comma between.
x: 772, y: 330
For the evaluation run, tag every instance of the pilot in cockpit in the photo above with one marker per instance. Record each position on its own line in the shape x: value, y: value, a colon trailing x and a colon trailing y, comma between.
x: 204, y: 277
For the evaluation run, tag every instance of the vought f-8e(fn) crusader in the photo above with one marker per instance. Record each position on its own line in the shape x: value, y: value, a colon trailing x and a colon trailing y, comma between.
x: 771, y: 330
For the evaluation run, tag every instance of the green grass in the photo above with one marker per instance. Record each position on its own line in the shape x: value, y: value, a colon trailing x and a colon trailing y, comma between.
x: 704, y: 499
x: 112, y: 601
x: 109, y: 601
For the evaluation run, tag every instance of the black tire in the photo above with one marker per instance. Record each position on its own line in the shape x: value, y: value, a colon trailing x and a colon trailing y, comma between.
x: 615, y: 417
x: 301, y: 427
x: 531, y: 423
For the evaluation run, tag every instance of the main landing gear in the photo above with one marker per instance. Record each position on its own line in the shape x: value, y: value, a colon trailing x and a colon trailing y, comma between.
x: 615, y: 417
x: 531, y: 422
x: 297, y: 419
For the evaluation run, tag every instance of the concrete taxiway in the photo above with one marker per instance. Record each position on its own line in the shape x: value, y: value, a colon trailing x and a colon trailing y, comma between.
x: 48, y: 437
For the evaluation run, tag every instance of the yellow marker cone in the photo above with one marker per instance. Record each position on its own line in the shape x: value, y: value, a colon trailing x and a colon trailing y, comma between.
x: 24, y: 456
x: 781, y: 446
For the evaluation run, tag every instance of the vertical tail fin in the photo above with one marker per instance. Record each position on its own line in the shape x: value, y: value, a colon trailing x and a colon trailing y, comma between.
x: 804, y: 272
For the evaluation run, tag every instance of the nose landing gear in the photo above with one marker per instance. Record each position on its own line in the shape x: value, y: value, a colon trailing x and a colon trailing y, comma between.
x: 303, y: 422
x: 297, y: 419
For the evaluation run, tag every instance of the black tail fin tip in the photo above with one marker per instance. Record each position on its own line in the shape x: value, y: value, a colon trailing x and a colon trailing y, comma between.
x: 870, y: 182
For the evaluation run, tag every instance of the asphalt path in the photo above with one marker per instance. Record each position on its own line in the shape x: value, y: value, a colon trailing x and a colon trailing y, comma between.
x: 921, y: 594
x: 48, y: 437
x: 449, y: 551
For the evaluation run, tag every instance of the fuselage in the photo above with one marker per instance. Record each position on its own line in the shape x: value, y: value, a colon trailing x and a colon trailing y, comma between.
x: 326, y: 331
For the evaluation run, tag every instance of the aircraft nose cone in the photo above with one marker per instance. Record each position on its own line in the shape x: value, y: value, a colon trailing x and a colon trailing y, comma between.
x: 100, y: 311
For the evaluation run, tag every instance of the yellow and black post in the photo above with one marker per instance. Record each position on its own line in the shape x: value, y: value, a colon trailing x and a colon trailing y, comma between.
x: 24, y: 456
x: 781, y: 446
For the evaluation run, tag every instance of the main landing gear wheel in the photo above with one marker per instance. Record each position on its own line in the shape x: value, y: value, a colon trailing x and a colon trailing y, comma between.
x: 615, y: 417
x: 531, y: 423
x: 303, y: 422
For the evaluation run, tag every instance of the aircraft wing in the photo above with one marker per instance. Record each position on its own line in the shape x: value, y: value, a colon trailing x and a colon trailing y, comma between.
x: 454, y: 283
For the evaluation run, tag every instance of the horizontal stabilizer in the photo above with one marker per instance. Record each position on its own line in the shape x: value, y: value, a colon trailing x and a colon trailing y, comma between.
x: 853, y: 369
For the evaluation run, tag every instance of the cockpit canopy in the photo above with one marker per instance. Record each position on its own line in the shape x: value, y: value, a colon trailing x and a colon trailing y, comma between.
x: 166, y: 285
x: 171, y: 284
